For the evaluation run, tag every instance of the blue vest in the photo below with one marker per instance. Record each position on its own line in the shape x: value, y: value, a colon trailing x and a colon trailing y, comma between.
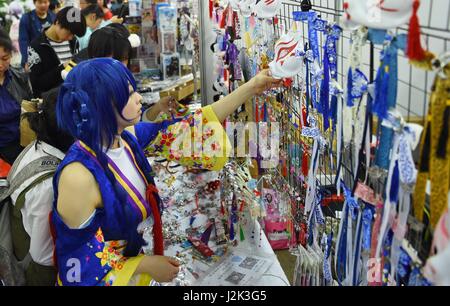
x: 117, y: 220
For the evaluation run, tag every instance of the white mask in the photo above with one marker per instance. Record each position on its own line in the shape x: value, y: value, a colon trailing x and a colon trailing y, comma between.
x: 267, y: 8
x: 378, y: 14
x: 286, y: 64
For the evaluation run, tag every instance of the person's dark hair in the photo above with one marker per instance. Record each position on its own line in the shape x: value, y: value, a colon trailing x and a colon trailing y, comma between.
x: 121, y: 28
x: 93, y: 9
x: 68, y: 19
x: 110, y: 41
x: 54, y: 4
x: 5, y: 42
x: 44, y: 123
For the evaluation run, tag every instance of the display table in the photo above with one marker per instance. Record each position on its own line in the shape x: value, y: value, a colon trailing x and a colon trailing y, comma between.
x: 152, y: 91
x: 180, y: 201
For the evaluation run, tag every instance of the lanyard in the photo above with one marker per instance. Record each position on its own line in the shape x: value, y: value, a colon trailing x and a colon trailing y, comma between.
x: 314, y: 26
x: 329, y: 70
x: 345, y: 255
x: 386, y: 88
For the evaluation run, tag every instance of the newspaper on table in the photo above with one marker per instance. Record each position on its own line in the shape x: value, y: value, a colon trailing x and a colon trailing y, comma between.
x: 238, y: 268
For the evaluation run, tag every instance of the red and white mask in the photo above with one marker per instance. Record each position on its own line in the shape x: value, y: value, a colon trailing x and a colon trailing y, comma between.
x: 437, y: 269
x: 286, y: 64
x: 387, y: 14
x: 247, y: 7
x: 379, y: 14
x: 234, y: 4
x: 267, y: 8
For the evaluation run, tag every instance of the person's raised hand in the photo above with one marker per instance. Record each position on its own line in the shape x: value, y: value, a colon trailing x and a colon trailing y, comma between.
x: 263, y: 81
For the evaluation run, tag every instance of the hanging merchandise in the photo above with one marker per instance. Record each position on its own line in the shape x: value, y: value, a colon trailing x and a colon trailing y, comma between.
x: 266, y: 9
x: 437, y: 267
x: 386, y: 89
x: 388, y: 14
x: 287, y: 62
x: 342, y: 190
x: 435, y: 152
x: 245, y: 7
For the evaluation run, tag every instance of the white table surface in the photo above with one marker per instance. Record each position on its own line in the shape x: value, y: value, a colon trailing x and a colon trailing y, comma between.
x: 274, y: 276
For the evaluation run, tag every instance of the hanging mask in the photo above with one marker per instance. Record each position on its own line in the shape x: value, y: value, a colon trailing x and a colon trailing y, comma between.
x: 247, y: 7
x: 287, y: 63
x: 437, y: 269
x: 387, y: 14
x: 267, y: 9
x: 379, y: 14
x: 234, y: 4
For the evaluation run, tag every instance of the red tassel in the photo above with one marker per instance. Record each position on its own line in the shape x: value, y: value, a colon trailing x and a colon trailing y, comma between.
x: 415, y: 51
x: 222, y: 209
x: 305, y: 117
x: 285, y: 172
x: 262, y: 113
x: 288, y: 82
x: 223, y: 21
x: 53, y: 234
x: 305, y: 169
x: 211, y: 8
x: 158, y: 240
x: 242, y: 206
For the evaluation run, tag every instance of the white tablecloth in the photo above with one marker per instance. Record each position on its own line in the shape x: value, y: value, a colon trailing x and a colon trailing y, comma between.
x: 274, y: 276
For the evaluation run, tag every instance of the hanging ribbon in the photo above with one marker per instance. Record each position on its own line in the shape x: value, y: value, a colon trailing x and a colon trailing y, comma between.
x: 386, y: 89
x: 327, y: 275
x: 368, y: 215
x: 324, y: 104
x: 401, y: 169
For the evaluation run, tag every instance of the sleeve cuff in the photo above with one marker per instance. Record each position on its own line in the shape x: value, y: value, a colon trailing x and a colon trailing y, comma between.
x: 127, y: 272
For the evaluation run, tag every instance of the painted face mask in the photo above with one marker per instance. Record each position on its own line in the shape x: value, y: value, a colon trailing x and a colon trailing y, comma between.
x: 286, y: 63
x: 247, y: 7
x: 387, y: 14
x: 234, y: 4
x: 437, y: 268
x: 379, y: 14
x: 267, y: 8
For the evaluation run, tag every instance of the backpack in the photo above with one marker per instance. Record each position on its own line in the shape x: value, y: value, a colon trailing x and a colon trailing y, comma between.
x: 16, y: 265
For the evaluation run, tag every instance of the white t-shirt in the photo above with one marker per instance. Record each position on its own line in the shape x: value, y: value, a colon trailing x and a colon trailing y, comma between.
x: 37, y: 206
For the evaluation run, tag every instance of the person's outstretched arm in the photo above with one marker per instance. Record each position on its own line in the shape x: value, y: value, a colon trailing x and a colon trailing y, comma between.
x: 256, y: 86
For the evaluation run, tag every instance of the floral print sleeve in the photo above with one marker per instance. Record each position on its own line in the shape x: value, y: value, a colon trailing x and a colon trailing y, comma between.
x: 97, y: 262
x: 197, y: 141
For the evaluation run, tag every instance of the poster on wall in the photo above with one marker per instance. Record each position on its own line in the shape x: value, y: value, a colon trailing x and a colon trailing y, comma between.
x: 170, y: 65
x: 147, y: 17
x: 168, y: 42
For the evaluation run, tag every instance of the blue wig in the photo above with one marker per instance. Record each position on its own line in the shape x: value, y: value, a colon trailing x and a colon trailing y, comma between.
x: 90, y: 97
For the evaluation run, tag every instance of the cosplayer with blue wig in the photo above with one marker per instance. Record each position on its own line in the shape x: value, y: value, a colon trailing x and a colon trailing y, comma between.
x: 104, y: 188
